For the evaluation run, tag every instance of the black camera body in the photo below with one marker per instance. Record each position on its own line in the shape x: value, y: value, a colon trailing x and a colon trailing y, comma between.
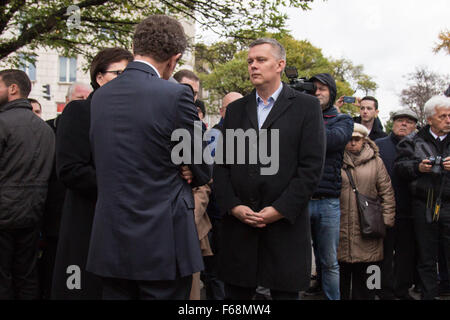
x: 436, y: 163
x: 300, y: 84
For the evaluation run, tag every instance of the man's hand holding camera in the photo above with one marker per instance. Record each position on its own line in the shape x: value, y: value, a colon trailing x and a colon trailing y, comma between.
x: 446, y: 164
x: 426, y: 165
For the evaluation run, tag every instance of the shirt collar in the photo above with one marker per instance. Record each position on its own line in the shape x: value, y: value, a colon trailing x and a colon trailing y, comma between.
x: 435, y: 136
x: 148, y: 63
x: 274, y: 95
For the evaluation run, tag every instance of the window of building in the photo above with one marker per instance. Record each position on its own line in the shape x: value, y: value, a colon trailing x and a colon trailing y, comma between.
x: 67, y: 69
x: 28, y: 67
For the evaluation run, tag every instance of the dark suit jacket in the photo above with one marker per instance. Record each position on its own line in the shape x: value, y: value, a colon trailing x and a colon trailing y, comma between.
x: 144, y: 221
x: 279, y: 255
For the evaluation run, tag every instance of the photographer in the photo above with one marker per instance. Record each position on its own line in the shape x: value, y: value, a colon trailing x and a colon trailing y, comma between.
x: 324, y: 206
x: 424, y: 160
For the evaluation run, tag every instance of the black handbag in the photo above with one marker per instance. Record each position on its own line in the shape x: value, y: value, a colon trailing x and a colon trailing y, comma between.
x: 370, y: 213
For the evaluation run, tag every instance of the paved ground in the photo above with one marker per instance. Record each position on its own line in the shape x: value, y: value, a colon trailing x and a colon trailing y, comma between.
x: 321, y: 296
x: 413, y: 294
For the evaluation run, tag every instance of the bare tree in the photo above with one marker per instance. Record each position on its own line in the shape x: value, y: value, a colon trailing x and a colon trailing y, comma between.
x: 423, y: 84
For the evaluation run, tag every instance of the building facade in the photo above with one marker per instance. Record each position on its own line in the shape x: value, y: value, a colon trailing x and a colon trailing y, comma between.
x: 58, y: 73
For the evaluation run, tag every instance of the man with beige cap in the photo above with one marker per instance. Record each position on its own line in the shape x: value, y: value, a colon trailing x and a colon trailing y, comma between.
x: 397, y: 269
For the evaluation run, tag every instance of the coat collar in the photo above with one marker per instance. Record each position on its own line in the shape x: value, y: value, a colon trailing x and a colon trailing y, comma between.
x: 283, y: 102
x: 18, y: 103
x: 142, y: 67
x: 330, y: 112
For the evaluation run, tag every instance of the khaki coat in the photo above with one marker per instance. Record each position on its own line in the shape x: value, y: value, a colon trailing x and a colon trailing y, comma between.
x: 371, y: 179
x: 203, y: 224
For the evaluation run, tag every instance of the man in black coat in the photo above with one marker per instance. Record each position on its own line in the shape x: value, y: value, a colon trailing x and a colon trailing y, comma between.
x: 397, y: 268
x: 51, y: 221
x: 144, y: 242
x: 266, y: 237
x: 368, y: 117
x: 429, y: 184
x: 26, y: 159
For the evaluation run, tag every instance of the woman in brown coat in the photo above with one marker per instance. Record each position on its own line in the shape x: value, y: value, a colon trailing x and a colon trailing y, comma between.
x: 357, y: 254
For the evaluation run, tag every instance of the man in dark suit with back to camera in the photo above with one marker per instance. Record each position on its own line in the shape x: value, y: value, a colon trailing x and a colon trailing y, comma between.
x: 266, y: 239
x: 144, y: 243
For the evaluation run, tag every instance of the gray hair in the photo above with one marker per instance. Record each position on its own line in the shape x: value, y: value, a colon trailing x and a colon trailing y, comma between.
x: 435, y: 102
x: 72, y: 87
x: 280, y: 52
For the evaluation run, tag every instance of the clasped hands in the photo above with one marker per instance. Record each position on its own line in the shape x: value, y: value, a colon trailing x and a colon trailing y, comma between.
x: 243, y: 213
x: 256, y: 219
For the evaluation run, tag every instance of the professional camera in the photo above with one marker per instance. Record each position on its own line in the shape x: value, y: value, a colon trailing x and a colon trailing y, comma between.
x: 300, y: 84
x: 436, y: 163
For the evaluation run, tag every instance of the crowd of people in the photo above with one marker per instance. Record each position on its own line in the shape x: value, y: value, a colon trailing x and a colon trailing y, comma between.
x: 92, y: 205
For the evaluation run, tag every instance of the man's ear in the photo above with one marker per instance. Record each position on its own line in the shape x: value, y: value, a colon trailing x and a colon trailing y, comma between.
x: 13, y: 89
x: 376, y: 113
x: 174, y: 60
x: 170, y: 65
x: 281, y: 65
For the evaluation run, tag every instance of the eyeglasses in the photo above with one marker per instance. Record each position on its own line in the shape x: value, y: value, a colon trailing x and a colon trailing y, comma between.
x: 116, y: 72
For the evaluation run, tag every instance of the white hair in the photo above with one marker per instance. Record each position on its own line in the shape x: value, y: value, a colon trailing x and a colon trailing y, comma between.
x: 435, y: 102
x: 72, y: 87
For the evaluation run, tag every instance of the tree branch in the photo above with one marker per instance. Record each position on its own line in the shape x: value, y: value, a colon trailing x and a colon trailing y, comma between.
x: 42, y: 27
x: 5, y: 17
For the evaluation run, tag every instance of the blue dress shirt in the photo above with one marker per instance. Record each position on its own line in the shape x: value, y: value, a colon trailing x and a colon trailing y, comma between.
x: 264, y: 109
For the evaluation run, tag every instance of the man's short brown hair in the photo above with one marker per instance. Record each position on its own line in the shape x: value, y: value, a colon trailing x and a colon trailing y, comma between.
x: 18, y: 77
x: 185, y: 73
x: 104, y: 58
x: 159, y: 37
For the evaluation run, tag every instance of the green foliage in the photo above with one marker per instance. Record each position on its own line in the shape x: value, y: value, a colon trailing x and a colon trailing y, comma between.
x: 389, y: 124
x: 222, y: 72
x: 26, y: 25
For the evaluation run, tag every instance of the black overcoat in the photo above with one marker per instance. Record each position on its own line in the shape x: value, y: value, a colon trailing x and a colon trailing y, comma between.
x: 279, y: 255
x: 75, y: 169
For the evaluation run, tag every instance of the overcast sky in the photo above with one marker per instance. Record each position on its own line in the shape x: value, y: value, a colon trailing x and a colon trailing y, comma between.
x: 388, y: 37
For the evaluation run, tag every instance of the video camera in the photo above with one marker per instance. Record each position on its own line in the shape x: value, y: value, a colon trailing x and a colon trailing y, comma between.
x: 300, y: 84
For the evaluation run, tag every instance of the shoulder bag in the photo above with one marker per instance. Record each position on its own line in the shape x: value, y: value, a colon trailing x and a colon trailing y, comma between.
x: 370, y: 213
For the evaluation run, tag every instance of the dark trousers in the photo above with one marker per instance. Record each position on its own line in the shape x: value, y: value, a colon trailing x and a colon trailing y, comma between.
x: 18, y: 264
x: 122, y: 289
x: 353, y: 281
x: 46, y: 265
x: 233, y: 292
x: 398, y: 265
x: 214, y: 287
x: 442, y: 266
x: 428, y: 237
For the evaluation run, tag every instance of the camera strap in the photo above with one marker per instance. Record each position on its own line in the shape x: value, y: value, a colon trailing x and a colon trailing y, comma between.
x: 437, y: 207
x: 428, y: 211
